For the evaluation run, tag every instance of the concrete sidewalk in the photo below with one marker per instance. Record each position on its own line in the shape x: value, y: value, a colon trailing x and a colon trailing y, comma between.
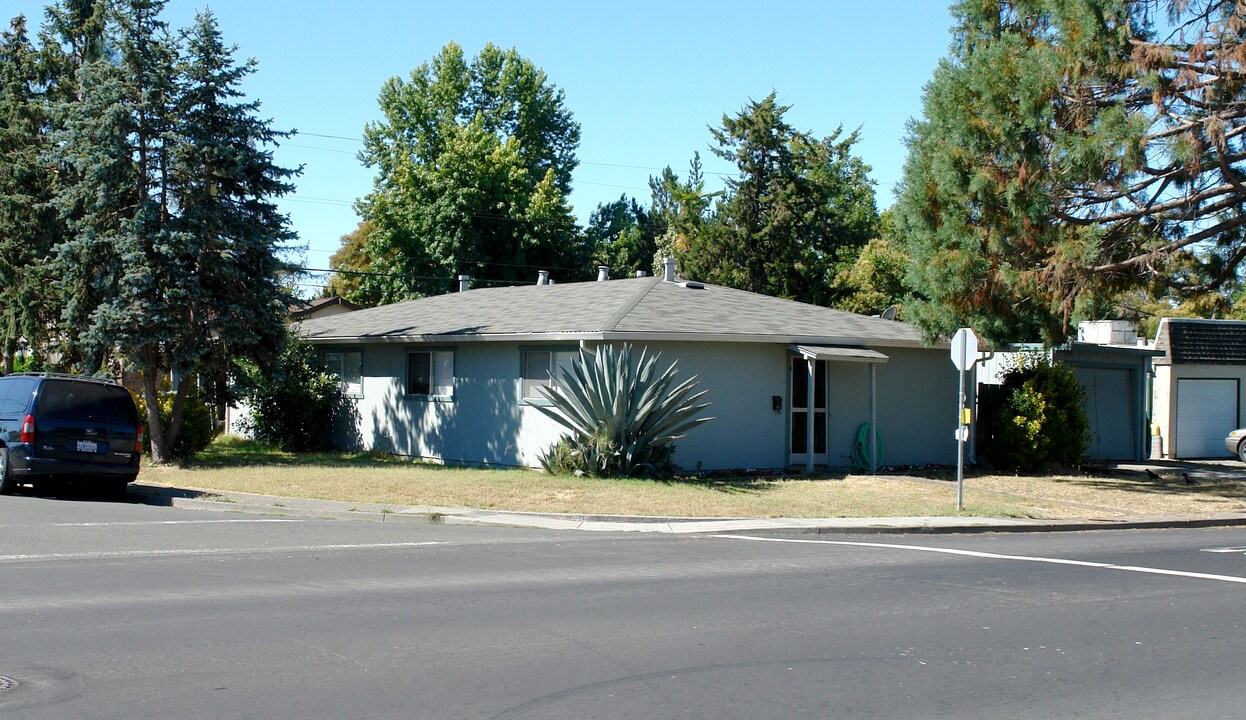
x: 331, y: 509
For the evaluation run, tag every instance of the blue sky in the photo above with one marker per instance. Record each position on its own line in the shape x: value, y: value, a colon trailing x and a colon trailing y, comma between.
x: 644, y: 79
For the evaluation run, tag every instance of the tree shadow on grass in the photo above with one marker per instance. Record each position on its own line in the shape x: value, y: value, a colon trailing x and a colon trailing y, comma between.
x: 749, y: 482
x: 237, y: 452
x: 1158, y: 478
x: 1165, y: 483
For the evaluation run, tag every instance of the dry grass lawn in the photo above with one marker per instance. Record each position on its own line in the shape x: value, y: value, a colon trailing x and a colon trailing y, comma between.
x: 232, y: 465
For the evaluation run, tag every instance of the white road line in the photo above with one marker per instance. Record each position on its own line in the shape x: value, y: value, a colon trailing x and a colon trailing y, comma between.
x: 998, y: 556
x: 119, y: 554
x: 1239, y: 550
x: 170, y: 522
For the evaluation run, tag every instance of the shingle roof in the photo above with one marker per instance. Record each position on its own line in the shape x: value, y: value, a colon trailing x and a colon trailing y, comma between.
x: 1201, y: 342
x: 639, y: 308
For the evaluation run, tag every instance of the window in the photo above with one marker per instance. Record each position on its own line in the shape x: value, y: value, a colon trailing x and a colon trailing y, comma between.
x: 348, y: 366
x: 15, y: 394
x: 430, y: 373
x: 541, y: 369
x: 73, y: 400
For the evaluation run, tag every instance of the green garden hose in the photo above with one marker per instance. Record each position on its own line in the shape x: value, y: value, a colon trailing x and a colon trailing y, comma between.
x: 861, y: 453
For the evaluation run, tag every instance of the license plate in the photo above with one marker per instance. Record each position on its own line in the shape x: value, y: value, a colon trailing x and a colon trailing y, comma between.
x: 87, y: 446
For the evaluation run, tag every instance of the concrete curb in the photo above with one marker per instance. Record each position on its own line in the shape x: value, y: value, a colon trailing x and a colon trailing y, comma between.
x: 336, y: 510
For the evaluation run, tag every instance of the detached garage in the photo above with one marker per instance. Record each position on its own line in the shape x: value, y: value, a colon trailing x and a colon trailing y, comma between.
x: 1198, y: 385
x: 1113, y: 369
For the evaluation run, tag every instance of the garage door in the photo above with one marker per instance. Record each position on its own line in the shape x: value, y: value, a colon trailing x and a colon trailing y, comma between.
x: 1206, y: 412
x: 1109, y: 408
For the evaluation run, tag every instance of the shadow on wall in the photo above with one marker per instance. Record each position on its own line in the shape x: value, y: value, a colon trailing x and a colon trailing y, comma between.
x: 503, y: 421
x: 480, y: 427
x: 345, y: 425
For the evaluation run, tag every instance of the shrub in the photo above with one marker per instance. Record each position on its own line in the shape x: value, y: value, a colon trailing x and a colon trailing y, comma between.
x: 195, y: 432
x: 623, y: 418
x: 297, y: 405
x: 1042, y: 421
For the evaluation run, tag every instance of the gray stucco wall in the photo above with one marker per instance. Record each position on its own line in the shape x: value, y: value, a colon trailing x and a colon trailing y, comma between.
x: 485, y: 422
x: 916, y: 407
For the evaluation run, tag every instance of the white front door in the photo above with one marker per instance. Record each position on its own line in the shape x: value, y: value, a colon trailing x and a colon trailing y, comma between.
x: 800, y: 415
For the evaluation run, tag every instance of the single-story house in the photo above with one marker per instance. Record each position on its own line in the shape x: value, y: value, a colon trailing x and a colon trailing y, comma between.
x: 455, y: 377
x: 1199, y: 385
x: 1113, y: 369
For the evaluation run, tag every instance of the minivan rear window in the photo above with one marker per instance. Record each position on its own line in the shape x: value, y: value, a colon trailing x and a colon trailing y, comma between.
x: 15, y: 394
x: 87, y: 401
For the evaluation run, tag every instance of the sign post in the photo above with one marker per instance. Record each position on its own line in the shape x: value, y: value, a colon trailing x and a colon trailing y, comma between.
x: 964, y: 355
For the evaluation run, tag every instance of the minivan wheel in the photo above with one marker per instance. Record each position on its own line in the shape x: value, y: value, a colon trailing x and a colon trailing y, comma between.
x: 7, y: 483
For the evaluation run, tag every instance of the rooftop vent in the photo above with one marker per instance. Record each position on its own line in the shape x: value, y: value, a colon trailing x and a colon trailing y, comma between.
x: 542, y: 277
x: 603, y: 272
x: 464, y: 282
x: 668, y: 269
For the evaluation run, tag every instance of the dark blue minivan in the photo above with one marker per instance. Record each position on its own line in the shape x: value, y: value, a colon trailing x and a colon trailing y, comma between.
x: 67, y: 427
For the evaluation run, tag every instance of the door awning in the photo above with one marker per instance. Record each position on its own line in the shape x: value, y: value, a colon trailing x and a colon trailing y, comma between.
x: 839, y: 353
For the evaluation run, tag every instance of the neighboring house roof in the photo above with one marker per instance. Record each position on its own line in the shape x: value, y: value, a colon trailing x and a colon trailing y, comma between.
x: 1187, y: 341
x: 321, y: 306
x: 646, y: 308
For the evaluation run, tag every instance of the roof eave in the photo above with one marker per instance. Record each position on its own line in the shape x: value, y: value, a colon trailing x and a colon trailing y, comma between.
x: 617, y: 336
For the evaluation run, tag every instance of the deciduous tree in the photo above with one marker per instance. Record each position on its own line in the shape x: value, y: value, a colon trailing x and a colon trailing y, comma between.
x: 474, y: 165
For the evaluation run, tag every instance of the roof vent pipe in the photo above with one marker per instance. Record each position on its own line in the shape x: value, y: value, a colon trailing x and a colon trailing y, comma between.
x: 668, y: 269
x: 603, y: 272
x: 641, y: 273
x: 464, y: 281
x: 542, y: 277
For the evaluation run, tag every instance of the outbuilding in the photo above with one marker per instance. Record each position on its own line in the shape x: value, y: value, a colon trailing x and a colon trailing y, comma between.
x: 1113, y: 369
x: 1199, y: 385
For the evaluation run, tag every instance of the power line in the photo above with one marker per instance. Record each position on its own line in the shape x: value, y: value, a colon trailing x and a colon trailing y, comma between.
x: 331, y: 137
x: 581, y: 162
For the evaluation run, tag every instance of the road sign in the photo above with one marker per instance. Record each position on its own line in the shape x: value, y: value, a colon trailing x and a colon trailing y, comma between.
x: 964, y: 349
x: 964, y: 356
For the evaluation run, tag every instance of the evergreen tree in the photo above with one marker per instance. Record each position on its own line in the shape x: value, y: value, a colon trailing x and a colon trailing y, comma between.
x: 796, y: 206
x: 474, y: 167
x: 682, y: 208
x: 172, y: 266
x: 624, y: 235
x: 1070, y: 150
x: 29, y: 226
x: 232, y: 302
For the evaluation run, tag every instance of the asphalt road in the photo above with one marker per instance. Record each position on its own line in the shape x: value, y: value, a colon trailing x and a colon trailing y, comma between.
x: 123, y: 610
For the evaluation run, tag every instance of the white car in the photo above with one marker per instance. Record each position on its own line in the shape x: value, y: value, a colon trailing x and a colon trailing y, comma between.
x: 1236, y: 443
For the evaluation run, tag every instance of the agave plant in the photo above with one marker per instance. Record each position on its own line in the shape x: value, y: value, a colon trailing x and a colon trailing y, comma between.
x: 623, y: 417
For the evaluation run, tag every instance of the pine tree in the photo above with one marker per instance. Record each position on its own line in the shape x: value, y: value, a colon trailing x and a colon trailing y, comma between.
x: 1072, y: 150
